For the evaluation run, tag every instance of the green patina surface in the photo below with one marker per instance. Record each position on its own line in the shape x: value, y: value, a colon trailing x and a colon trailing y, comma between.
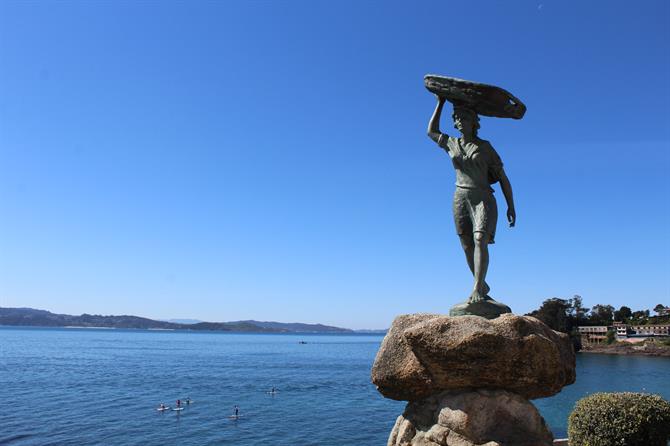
x: 488, y: 308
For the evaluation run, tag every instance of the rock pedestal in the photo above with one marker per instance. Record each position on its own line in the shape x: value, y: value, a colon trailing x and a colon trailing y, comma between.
x: 468, y: 379
x: 471, y: 418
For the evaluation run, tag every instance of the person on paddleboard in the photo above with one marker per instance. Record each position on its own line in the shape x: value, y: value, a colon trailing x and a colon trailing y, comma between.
x: 178, y: 403
x: 237, y: 411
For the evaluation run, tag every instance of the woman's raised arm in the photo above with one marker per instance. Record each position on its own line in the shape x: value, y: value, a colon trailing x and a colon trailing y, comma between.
x: 434, y: 123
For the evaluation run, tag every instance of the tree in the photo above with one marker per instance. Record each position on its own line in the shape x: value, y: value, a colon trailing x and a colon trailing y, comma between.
x: 623, y: 314
x: 659, y: 309
x: 640, y: 317
x: 555, y: 313
x: 602, y: 314
x: 577, y: 311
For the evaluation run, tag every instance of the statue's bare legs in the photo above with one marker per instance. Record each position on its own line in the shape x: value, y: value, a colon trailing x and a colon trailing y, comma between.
x: 476, y: 251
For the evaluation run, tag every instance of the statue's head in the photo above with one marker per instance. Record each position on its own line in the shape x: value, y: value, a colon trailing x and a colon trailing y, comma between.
x: 465, y: 118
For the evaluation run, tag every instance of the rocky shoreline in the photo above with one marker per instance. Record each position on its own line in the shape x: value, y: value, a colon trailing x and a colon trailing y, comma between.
x: 621, y: 348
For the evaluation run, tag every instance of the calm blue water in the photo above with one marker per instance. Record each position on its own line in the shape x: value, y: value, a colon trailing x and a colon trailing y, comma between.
x: 82, y: 387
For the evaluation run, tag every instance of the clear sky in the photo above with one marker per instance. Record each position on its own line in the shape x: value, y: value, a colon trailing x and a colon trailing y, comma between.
x: 269, y: 160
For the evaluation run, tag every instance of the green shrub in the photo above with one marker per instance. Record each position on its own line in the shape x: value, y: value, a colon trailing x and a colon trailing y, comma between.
x: 620, y: 419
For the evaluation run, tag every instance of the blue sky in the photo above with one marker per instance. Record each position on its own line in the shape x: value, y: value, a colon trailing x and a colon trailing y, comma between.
x: 268, y: 160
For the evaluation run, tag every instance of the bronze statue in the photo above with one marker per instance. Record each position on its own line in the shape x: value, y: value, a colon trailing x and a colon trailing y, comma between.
x: 478, y: 166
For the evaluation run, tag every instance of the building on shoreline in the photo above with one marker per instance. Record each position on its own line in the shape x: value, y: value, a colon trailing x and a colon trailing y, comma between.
x: 649, y: 330
x: 593, y: 335
x: 623, y: 332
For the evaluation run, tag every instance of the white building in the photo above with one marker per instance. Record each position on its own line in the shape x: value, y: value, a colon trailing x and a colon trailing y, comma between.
x: 649, y: 330
x: 598, y: 334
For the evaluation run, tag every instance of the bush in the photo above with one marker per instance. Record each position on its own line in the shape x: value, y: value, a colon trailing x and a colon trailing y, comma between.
x: 620, y: 419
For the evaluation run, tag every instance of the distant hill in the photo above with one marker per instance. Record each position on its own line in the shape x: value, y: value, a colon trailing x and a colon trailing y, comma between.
x: 32, y: 317
x: 295, y: 327
x: 182, y: 321
x: 42, y: 318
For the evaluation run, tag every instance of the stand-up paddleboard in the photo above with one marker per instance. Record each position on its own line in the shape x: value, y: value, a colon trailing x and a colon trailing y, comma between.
x: 177, y: 409
x: 486, y: 100
x: 235, y: 417
x: 162, y: 409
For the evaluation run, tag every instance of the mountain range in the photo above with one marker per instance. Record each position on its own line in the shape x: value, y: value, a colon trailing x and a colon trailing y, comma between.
x: 43, y: 318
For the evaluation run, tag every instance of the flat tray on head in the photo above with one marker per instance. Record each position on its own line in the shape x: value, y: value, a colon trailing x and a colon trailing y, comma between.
x: 486, y: 100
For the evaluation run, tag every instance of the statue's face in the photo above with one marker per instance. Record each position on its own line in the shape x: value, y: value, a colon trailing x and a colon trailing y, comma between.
x: 463, y: 121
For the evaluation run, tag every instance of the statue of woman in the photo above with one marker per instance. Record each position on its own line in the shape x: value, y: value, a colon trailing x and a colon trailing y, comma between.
x: 478, y: 166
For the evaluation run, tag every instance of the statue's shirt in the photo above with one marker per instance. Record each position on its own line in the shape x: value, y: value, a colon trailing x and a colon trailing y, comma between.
x: 477, y: 164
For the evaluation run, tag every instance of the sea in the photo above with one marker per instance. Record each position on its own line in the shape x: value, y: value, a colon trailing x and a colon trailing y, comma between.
x: 76, y: 386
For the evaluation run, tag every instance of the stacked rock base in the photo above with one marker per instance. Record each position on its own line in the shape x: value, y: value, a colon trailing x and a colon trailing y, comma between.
x: 468, y: 379
x: 471, y: 418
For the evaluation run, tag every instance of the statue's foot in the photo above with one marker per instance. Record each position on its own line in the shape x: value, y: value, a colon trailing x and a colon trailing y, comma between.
x: 479, y: 305
x: 477, y: 296
x: 486, y: 289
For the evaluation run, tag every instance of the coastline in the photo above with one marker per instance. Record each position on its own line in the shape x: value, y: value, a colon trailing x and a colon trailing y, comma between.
x: 91, y: 326
x: 42, y: 318
x: 186, y: 330
x: 626, y: 349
